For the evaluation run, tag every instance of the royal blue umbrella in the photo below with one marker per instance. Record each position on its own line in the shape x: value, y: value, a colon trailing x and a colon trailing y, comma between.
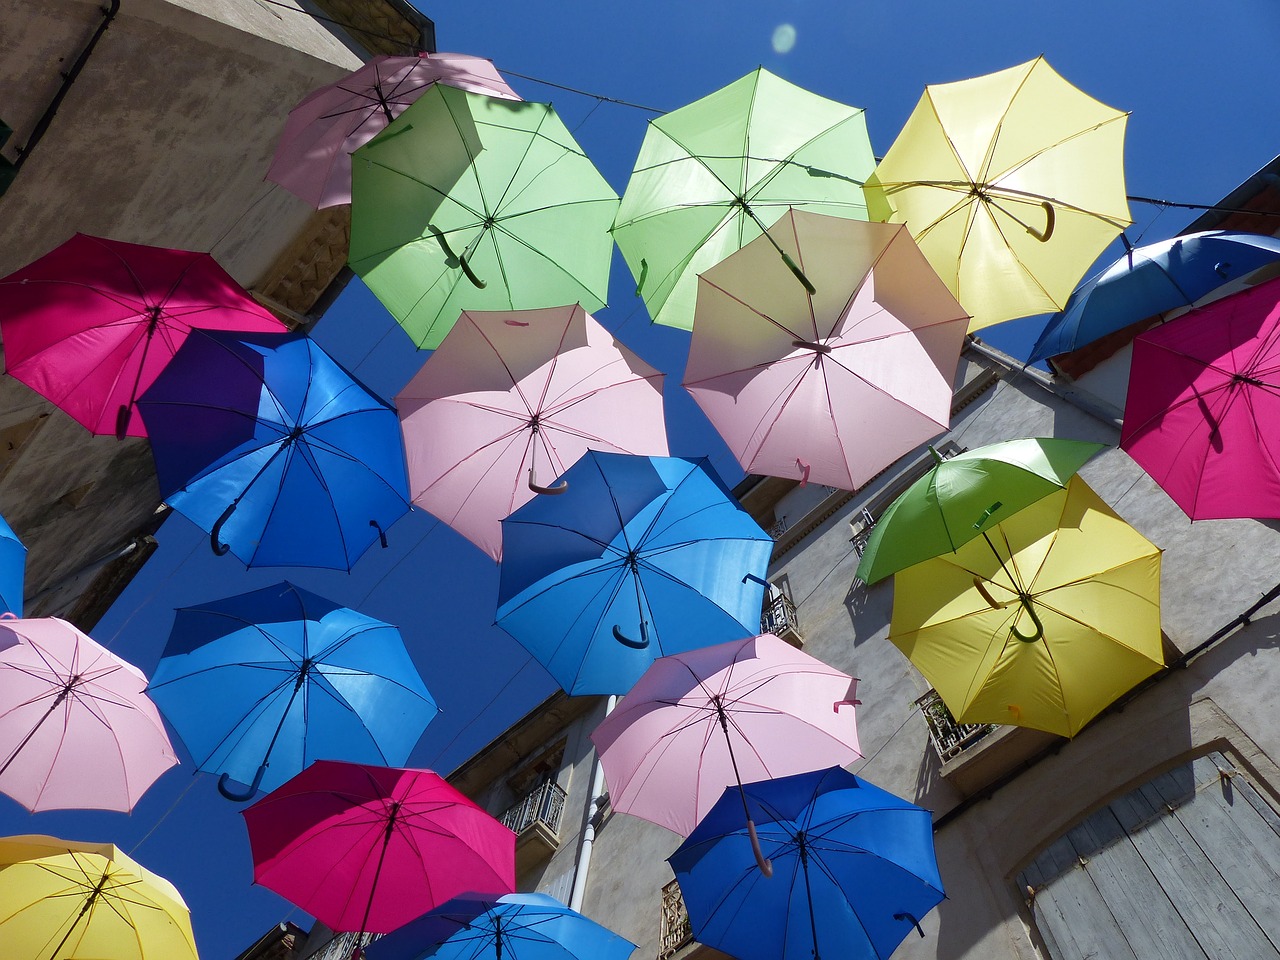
x: 853, y: 870
x: 13, y: 566
x: 278, y: 452
x: 261, y: 684
x: 1151, y: 279
x: 637, y: 558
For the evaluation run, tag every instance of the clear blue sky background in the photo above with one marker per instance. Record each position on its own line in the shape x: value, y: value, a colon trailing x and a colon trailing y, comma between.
x: 1198, y: 78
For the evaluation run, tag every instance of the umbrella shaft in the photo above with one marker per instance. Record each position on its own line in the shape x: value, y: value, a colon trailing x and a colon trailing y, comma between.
x: 27, y: 739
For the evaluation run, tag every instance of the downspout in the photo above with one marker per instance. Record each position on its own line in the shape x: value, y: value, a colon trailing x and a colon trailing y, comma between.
x: 594, y: 813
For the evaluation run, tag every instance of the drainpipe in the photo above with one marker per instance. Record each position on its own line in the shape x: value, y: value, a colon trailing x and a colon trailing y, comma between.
x: 594, y: 813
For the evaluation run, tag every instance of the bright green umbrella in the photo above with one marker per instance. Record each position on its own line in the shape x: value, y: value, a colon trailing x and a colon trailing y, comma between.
x: 715, y: 174
x: 466, y: 202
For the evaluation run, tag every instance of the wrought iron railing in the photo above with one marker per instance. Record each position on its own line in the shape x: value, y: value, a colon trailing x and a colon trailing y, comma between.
x: 544, y: 804
x: 779, y: 615
x: 676, y: 931
x: 949, y: 738
x: 342, y: 946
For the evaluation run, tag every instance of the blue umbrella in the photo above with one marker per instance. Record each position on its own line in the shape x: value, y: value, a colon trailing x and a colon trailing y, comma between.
x: 853, y: 870
x: 1151, y: 279
x: 13, y: 565
x: 518, y: 926
x: 265, y: 440
x: 638, y: 558
x: 261, y: 684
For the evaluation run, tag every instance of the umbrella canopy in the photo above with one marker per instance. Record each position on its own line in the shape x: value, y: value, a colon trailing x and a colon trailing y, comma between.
x: 1042, y: 622
x: 364, y: 848
x: 965, y: 495
x: 69, y: 900
x: 313, y: 158
x: 717, y: 173
x: 13, y: 568
x: 90, y: 325
x: 77, y: 730
x: 267, y: 443
x: 1012, y: 183
x: 829, y: 387
x: 472, y: 203
x: 261, y: 684
x: 509, y: 397
x: 1202, y: 406
x: 1151, y: 279
x: 640, y: 557
x: 854, y: 871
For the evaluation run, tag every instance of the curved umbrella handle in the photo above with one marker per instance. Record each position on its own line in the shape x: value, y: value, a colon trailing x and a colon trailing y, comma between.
x: 794, y: 268
x: 1051, y: 219
x: 560, y: 487
x: 215, y: 538
x: 382, y: 534
x: 466, y: 268
x: 1039, y: 631
x: 763, y: 862
x: 644, y: 274
x: 248, y: 794
x: 626, y: 641
x: 123, y: 416
x: 912, y: 920
x: 459, y: 261
x: 986, y: 594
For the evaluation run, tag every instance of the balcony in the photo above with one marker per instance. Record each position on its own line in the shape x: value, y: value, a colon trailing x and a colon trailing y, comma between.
x: 948, y: 737
x: 676, y: 931
x: 535, y: 820
x: 779, y: 618
x: 341, y: 946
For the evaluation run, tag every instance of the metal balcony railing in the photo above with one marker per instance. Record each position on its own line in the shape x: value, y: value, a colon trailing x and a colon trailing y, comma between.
x: 949, y: 738
x: 342, y: 946
x: 676, y: 931
x: 544, y: 804
x: 779, y: 616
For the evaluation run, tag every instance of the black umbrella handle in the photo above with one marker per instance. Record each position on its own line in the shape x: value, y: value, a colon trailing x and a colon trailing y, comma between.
x: 626, y: 641
x: 912, y: 920
x: 123, y: 416
x: 240, y: 797
x: 382, y: 534
x: 215, y: 535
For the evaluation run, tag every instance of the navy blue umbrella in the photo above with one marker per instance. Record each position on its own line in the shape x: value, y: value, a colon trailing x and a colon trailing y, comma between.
x: 13, y: 566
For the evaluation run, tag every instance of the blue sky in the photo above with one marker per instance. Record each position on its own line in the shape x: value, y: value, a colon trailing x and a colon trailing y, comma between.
x: 1197, y: 78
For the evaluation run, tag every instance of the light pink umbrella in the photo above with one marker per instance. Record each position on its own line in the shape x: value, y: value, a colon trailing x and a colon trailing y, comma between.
x: 509, y: 401
x: 313, y: 158
x: 829, y: 387
x: 77, y: 730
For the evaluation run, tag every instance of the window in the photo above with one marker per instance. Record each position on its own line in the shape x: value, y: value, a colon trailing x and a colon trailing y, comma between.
x: 7, y: 170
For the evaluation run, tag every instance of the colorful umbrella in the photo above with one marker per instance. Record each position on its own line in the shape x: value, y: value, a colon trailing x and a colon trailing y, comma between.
x: 829, y: 387
x: 76, y: 727
x: 367, y: 849
x: 1202, y: 405
x: 90, y: 325
x: 640, y: 557
x: 13, y: 568
x: 265, y: 440
x: 854, y: 871
x: 472, y: 203
x: 1012, y: 183
x: 68, y: 900
x: 1043, y: 622
x: 717, y: 173
x: 259, y: 685
x: 313, y: 158
x: 510, y: 396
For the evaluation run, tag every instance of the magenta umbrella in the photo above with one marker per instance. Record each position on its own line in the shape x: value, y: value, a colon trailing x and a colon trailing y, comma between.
x: 509, y: 401
x: 90, y: 325
x: 364, y: 848
x: 77, y: 730
x: 313, y: 158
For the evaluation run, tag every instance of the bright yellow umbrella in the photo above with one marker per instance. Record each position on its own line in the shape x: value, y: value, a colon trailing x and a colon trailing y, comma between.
x: 1042, y: 621
x: 66, y: 900
x: 1011, y: 183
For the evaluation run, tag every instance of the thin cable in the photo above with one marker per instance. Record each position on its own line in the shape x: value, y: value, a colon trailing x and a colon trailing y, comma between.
x: 583, y: 93
x: 164, y: 815
x: 1201, y: 206
x: 247, y: 210
x: 467, y: 727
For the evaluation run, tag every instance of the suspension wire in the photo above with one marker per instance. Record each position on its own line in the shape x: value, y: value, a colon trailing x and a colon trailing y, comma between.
x: 584, y: 93
x: 1202, y: 206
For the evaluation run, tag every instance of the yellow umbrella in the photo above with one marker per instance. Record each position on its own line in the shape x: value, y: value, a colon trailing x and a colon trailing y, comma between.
x: 66, y: 900
x: 1011, y: 183
x: 1039, y: 623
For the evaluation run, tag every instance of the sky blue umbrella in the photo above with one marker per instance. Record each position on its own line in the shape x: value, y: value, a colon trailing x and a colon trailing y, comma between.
x: 1152, y: 279
x: 13, y: 568
x: 639, y: 557
x: 259, y: 685
x: 264, y: 441
x: 853, y: 870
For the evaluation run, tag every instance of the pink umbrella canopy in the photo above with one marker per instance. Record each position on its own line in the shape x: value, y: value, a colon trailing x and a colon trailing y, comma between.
x: 509, y: 401
x: 827, y: 387
x: 698, y: 722
x: 364, y: 848
x: 313, y: 158
x: 90, y: 325
x: 77, y: 730
x: 1204, y: 404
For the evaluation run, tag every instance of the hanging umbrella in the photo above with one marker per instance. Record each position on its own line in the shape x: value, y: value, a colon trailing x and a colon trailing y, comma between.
x: 716, y: 174
x: 511, y: 395
x: 1042, y: 622
x: 367, y: 849
x: 13, y: 567
x: 265, y: 441
x: 854, y: 871
x: 313, y: 158
x: 829, y: 387
x: 90, y: 325
x: 259, y: 685
x: 640, y: 557
x: 472, y: 203
x: 69, y: 900
x: 1202, y: 404
x: 1012, y: 183
x: 77, y: 730
x: 965, y: 495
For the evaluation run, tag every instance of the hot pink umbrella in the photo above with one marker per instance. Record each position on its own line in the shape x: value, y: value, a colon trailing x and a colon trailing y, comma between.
x: 77, y: 730
x: 829, y: 387
x: 313, y: 158
x: 90, y: 325
x: 509, y: 401
x: 365, y: 848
